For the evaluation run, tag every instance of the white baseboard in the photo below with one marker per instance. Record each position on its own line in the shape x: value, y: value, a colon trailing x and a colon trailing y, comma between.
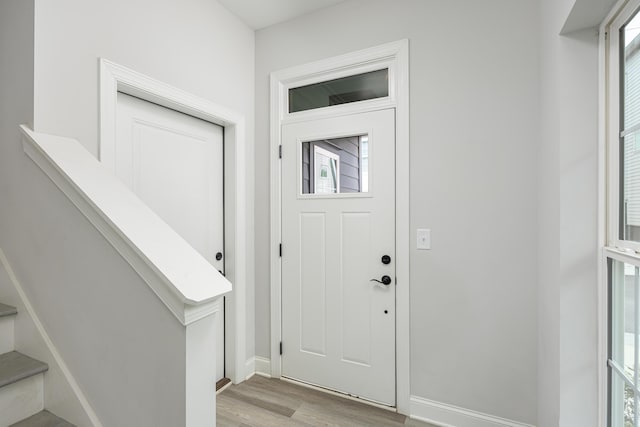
x: 444, y: 415
x: 263, y: 366
x: 258, y: 366
x: 250, y: 367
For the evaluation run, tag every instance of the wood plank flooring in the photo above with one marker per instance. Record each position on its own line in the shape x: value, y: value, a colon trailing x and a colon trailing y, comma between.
x: 265, y: 402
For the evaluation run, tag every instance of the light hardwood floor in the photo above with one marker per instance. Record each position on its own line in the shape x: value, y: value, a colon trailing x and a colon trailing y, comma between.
x: 265, y: 402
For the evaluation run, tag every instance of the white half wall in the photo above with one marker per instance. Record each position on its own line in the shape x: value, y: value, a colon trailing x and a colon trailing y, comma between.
x: 122, y: 344
x: 474, y: 136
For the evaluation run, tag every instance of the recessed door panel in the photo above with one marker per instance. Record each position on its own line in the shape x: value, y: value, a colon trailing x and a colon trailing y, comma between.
x: 164, y: 160
x: 313, y: 280
x: 355, y: 260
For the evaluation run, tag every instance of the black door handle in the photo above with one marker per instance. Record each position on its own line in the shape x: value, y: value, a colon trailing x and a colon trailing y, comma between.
x: 385, y: 280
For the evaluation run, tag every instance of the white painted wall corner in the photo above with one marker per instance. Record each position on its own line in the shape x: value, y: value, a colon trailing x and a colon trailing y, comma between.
x: 263, y: 366
x: 250, y: 367
x: 258, y: 366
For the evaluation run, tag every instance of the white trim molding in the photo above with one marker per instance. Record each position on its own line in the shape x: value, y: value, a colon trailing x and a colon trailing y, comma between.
x: 395, y: 57
x: 263, y: 366
x: 445, y: 415
x: 258, y: 366
x: 250, y: 367
x: 602, y: 291
x: 116, y: 78
x: 55, y: 354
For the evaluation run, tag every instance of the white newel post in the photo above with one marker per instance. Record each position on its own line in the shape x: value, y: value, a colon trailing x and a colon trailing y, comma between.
x: 200, y: 379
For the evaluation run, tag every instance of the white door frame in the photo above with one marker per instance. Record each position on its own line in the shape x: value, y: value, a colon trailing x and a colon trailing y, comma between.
x: 115, y: 78
x: 395, y: 57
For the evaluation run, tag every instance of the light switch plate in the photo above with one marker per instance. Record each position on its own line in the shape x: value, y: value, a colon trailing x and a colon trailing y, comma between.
x: 423, y: 238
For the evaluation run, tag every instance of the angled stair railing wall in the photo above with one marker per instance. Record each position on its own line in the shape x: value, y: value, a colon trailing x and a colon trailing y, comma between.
x: 185, y: 282
x: 134, y: 364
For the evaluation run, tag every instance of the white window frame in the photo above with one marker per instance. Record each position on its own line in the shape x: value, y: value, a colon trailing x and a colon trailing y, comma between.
x: 612, y: 247
x: 333, y: 156
x: 613, y: 112
x: 362, y: 158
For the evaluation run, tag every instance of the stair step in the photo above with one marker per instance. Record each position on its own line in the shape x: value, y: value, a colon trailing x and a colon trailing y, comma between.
x: 7, y: 310
x: 43, y: 419
x: 16, y: 366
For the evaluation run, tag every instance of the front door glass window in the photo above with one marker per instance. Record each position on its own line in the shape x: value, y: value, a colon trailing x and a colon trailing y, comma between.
x: 337, y: 165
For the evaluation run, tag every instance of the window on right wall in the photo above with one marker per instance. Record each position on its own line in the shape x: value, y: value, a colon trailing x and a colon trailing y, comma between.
x: 621, y: 252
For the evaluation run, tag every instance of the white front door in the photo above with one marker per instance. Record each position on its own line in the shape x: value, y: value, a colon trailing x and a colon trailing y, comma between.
x: 174, y: 163
x: 338, y: 233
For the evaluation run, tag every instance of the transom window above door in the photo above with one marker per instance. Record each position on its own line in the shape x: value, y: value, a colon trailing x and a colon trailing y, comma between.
x: 344, y: 90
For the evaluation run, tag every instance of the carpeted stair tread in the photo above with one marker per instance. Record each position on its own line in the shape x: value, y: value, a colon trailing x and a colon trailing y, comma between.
x: 43, y: 419
x: 7, y: 310
x: 16, y: 366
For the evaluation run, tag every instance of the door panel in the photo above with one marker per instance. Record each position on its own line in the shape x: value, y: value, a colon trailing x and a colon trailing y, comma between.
x: 356, y: 313
x: 172, y: 174
x: 338, y: 327
x: 174, y: 163
x: 313, y: 297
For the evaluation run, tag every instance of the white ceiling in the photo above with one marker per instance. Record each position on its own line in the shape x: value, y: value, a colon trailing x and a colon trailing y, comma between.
x: 262, y: 13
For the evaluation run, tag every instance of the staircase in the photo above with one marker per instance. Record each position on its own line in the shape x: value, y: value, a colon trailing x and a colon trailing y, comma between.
x: 21, y: 382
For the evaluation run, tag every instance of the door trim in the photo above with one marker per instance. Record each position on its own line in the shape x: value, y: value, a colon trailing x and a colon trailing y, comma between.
x: 395, y: 56
x: 115, y: 78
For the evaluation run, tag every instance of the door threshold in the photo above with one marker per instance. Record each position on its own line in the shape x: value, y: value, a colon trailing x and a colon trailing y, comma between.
x: 340, y: 394
x: 222, y: 384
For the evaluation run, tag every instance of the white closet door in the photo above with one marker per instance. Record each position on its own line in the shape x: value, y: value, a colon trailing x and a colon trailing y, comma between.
x: 174, y: 163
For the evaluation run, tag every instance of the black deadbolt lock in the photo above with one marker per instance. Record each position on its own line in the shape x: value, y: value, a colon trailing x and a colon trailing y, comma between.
x: 386, y: 259
x: 219, y: 256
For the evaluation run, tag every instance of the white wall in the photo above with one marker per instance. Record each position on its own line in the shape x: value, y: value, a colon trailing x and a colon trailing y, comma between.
x: 16, y: 106
x: 69, y: 271
x: 474, y: 138
x: 123, y: 346
x: 567, y: 300
x: 195, y: 45
x: 59, y: 396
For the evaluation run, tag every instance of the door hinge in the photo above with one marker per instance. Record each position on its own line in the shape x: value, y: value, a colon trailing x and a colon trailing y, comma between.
x: 280, y: 348
x: 279, y: 151
x: 281, y: 250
